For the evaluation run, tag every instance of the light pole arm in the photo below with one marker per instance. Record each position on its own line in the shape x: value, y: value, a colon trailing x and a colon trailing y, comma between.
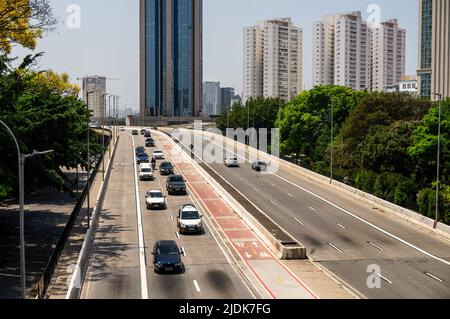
x: 14, y: 138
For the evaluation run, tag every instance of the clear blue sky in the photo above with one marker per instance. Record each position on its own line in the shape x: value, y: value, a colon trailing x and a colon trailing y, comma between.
x: 108, y: 41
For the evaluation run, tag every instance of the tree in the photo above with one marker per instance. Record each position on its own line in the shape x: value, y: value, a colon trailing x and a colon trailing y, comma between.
x: 305, y: 121
x: 385, y: 149
x: 23, y: 22
x: 424, y: 147
x: 378, y: 109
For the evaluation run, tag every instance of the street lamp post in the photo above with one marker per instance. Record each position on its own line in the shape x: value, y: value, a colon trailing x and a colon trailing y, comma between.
x: 21, y: 170
x: 438, y: 159
x: 331, y: 145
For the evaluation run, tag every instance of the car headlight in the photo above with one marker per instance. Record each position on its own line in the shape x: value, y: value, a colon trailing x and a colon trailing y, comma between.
x: 184, y: 186
x: 178, y: 265
x: 200, y: 225
x: 170, y: 186
x: 183, y: 225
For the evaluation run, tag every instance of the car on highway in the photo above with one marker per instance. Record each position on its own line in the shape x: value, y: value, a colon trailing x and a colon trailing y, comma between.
x: 166, y: 168
x: 146, y: 172
x: 147, y: 133
x: 143, y: 131
x: 176, y: 184
x: 155, y: 199
x: 190, y: 220
x: 259, y: 166
x: 142, y: 158
x: 149, y: 142
x: 231, y: 162
x: 134, y: 132
x: 167, y: 257
x: 122, y: 129
x: 158, y: 154
x: 139, y: 150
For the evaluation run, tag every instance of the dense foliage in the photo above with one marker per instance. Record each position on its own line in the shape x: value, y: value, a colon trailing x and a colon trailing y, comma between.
x: 43, y: 111
x: 385, y: 143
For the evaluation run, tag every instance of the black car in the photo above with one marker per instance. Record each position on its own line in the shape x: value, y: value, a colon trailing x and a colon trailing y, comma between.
x: 143, y: 131
x: 167, y: 257
x: 150, y: 142
x: 147, y: 134
x: 166, y: 168
x: 134, y: 132
x: 259, y: 166
x: 142, y: 158
x: 176, y: 185
x: 139, y: 150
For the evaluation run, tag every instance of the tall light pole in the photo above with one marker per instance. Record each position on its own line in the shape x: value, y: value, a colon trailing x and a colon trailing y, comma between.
x: 438, y: 159
x: 331, y: 144
x: 21, y: 170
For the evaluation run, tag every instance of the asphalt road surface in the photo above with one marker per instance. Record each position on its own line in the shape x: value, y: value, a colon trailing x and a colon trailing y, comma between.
x: 115, y: 269
x: 346, y: 236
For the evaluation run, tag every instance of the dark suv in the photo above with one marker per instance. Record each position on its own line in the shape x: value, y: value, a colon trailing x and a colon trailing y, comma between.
x: 139, y: 150
x: 176, y: 185
x: 150, y: 142
x: 166, y: 168
x: 167, y: 257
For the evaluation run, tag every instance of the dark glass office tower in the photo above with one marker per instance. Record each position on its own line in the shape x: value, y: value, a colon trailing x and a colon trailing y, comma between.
x: 434, y: 48
x: 171, y: 57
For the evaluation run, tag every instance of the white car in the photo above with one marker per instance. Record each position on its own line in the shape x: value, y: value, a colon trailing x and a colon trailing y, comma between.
x: 146, y: 172
x: 190, y: 220
x: 155, y: 199
x: 231, y: 162
x: 158, y: 154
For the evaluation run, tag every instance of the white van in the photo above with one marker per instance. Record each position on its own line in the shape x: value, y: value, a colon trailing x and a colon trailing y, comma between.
x: 146, y: 172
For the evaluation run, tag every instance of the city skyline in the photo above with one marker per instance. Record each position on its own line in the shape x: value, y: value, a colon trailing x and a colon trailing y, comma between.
x: 117, y: 44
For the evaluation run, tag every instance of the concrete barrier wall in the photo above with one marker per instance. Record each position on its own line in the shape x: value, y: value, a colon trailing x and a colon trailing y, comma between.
x: 400, y: 212
x: 76, y: 282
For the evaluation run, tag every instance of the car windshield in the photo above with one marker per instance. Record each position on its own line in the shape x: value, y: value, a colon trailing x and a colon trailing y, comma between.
x: 177, y: 179
x: 143, y: 156
x: 166, y: 165
x: 146, y: 170
x: 190, y: 215
x: 156, y: 195
x: 171, y: 250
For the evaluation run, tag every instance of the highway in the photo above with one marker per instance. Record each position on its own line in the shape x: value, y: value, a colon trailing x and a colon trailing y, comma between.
x: 121, y: 266
x: 346, y: 236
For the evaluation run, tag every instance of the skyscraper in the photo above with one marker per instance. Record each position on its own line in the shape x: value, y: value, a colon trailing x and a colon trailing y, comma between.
x: 273, y: 53
x: 95, y: 87
x: 388, y: 55
x: 434, y: 48
x: 350, y: 52
x: 171, y: 57
x: 342, y: 51
x: 212, y: 99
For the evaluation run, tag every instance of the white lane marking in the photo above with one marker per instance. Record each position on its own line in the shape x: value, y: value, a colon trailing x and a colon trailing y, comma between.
x: 375, y: 245
x: 184, y: 251
x: 385, y: 279
x: 275, y: 203
x: 342, y: 226
x: 177, y: 234
x: 290, y: 195
x: 313, y: 209
x: 334, y: 247
x: 299, y: 221
x: 255, y: 189
x: 171, y: 216
x: 357, y: 217
x: 197, y: 287
x: 142, y: 257
x: 434, y: 277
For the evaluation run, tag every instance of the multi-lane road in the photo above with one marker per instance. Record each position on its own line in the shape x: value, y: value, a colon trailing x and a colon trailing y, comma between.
x: 121, y: 263
x: 345, y: 236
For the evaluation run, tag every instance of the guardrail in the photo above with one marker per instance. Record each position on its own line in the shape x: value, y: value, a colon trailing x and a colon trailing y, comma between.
x: 40, y: 289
